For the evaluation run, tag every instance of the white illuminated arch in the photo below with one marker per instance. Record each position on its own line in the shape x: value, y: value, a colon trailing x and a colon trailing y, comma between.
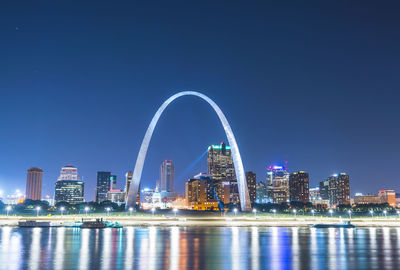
x: 237, y: 160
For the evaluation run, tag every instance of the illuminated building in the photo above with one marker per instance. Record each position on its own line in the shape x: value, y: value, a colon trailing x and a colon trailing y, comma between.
x: 129, y: 179
x: 384, y: 196
x: 167, y: 174
x: 116, y: 196
x: 103, y: 186
x: 278, y: 183
x: 251, y: 185
x: 220, y: 167
x: 68, y: 188
x: 299, y: 187
x: 34, y: 183
x: 199, y: 193
x: 314, y: 194
x: 262, y: 194
x: 336, y: 189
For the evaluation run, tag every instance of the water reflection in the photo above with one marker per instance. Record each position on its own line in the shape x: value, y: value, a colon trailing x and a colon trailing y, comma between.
x: 199, y: 248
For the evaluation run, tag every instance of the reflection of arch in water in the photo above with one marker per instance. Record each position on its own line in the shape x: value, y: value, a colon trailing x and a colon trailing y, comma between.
x: 237, y: 160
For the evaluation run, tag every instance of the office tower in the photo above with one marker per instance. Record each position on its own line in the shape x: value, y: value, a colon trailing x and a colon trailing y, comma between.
x: 251, y: 185
x: 113, y: 182
x: 103, y: 186
x: 167, y: 174
x: 262, y: 194
x: 314, y: 194
x: 129, y: 179
x: 34, y: 183
x: 299, y: 187
x: 200, y: 193
x: 220, y: 167
x: 278, y: 183
x: 336, y: 189
x: 68, y: 188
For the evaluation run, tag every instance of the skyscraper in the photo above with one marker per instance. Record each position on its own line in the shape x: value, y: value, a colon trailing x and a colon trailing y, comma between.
x: 68, y: 188
x: 299, y: 187
x: 251, y: 185
x: 103, y: 186
x: 34, y: 183
x: 200, y: 194
x: 220, y: 167
x: 336, y: 189
x: 278, y: 183
x: 167, y: 174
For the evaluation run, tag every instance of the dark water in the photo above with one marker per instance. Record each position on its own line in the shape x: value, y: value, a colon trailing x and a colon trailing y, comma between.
x: 199, y: 248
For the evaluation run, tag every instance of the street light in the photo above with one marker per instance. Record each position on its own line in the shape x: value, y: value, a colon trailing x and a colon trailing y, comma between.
x: 62, y: 210
x: 255, y: 212
x: 372, y: 213
x: 295, y: 212
x: 235, y: 211
x: 274, y: 211
x: 398, y: 213
x: 8, y: 208
x: 108, y: 211
x: 331, y: 212
x: 175, y: 211
x: 37, y: 210
x: 385, y: 212
x: 130, y: 211
x: 152, y: 210
x: 349, y: 213
x: 312, y: 211
x: 86, y: 210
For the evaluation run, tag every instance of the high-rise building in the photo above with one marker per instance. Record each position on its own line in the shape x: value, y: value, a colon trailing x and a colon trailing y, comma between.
x: 167, y: 174
x: 103, y: 186
x: 220, y: 167
x: 251, y: 185
x: 129, y: 179
x: 262, y: 194
x: 336, y: 189
x: 199, y: 193
x: 299, y: 187
x: 314, y: 194
x: 278, y: 183
x: 68, y: 188
x: 113, y: 182
x: 34, y: 183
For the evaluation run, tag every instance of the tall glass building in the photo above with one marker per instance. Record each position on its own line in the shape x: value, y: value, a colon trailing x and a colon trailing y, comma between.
x: 167, y: 175
x: 68, y: 187
x: 104, y: 183
x: 34, y: 183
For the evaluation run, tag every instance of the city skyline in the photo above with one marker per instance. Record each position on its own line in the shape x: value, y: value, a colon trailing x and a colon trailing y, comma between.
x: 325, y: 102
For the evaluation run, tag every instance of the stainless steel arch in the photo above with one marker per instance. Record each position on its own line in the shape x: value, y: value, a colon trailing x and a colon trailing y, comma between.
x: 237, y: 160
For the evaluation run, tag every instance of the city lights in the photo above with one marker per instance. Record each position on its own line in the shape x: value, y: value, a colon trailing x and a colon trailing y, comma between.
x: 371, y: 212
x: 331, y: 212
x: 62, y: 210
x: 87, y: 210
x: 385, y: 213
x: 295, y: 212
x: 130, y: 211
x: 312, y: 211
x: 8, y: 209
x: 153, y: 210
x: 235, y: 211
x: 255, y: 212
x: 37, y: 210
x: 175, y: 211
x: 274, y: 211
x: 108, y: 209
x: 349, y: 213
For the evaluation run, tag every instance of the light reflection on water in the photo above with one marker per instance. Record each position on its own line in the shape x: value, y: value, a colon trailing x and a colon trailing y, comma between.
x: 151, y: 248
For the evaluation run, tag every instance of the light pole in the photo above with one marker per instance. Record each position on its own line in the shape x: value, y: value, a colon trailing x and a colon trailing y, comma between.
x: 295, y: 212
x: 62, y: 210
x: 108, y: 211
x: 331, y: 212
x: 130, y: 211
x: 398, y: 213
x: 37, y: 210
x: 235, y: 211
x: 8, y: 208
x: 312, y: 212
x: 372, y: 213
x: 86, y: 210
x: 152, y: 210
x: 349, y: 213
x: 274, y: 211
x: 255, y: 212
x: 385, y: 212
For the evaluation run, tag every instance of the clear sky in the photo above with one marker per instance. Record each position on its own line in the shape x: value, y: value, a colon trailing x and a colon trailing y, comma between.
x: 315, y: 84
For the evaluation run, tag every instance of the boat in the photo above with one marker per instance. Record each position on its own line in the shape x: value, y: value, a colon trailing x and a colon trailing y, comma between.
x: 96, y: 224
x: 115, y: 225
x: 33, y: 223
x: 344, y: 224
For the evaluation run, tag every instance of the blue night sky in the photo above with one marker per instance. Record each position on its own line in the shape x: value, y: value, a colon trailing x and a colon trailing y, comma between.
x: 315, y: 84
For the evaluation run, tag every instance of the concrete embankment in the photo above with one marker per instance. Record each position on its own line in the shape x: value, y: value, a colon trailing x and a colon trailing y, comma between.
x: 212, y: 221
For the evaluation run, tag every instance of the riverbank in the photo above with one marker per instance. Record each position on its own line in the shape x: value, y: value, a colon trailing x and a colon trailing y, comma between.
x: 212, y: 221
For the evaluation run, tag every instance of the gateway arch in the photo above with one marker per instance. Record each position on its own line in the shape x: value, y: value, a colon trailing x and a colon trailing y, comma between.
x: 237, y: 160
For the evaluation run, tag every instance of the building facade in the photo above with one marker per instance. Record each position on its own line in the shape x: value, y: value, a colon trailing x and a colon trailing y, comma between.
x: 299, y: 187
x: 34, y: 179
x: 104, y: 180
x: 116, y: 196
x: 336, y: 189
x: 68, y: 188
x: 278, y: 183
x: 251, y: 186
x: 384, y: 196
x: 199, y: 193
x: 262, y: 193
x: 167, y: 175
